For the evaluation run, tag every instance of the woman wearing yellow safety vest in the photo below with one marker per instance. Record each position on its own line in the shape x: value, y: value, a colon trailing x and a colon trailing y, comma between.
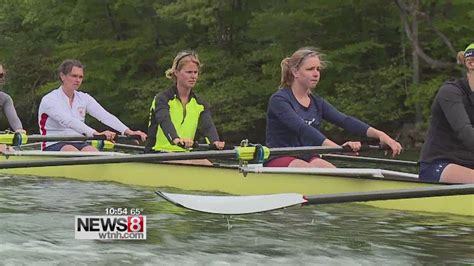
x: 177, y: 113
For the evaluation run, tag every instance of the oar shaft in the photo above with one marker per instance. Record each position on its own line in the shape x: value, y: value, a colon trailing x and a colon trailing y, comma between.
x: 17, y: 139
x: 129, y: 147
x: 342, y: 157
x: 119, y: 159
x: 274, y: 151
x: 36, y: 138
x: 317, y: 149
x: 441, y: 190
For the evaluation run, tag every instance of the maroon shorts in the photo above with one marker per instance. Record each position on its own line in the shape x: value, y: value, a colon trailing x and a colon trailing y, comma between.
x: 284, y: 161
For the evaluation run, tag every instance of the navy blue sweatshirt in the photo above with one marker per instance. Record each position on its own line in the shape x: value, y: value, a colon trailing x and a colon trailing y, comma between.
x: 290, y: 124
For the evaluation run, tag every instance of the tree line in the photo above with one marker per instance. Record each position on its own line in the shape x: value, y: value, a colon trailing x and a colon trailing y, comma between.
x: 387, y: 58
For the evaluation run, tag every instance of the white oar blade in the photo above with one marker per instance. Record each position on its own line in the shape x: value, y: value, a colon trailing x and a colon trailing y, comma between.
x: 233, y: 204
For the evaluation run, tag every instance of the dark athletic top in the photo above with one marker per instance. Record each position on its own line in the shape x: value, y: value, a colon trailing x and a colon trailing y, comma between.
x: 289, y: 124
x: 451, y: 132
x: 6, y: 104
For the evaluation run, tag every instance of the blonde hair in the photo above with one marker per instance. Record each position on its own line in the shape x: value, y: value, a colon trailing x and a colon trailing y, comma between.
x: 180, y: 60
x: 295, y: 61
x: 460, y: 58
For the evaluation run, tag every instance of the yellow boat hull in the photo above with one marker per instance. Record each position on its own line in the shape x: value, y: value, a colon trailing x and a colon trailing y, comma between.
x: 227, y: 180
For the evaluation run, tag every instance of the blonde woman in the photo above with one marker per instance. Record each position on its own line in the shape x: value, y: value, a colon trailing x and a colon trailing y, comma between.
x: 178, y: 113
x: 295, y: 114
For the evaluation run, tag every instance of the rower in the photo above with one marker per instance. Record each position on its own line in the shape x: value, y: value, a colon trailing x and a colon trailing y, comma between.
x: 177, y: 113
x: 6, y: 104
x: 63, y: 112
x: 448, y: 152
x: 295, y: 114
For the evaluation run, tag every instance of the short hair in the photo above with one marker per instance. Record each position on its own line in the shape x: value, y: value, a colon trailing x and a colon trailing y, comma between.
x: 67, y: 65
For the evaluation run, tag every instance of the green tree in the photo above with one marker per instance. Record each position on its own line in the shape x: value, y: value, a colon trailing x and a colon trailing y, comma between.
x: 375, y: 53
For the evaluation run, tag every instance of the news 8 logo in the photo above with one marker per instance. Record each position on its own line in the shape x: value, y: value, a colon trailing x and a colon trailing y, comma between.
x: 110, y: 227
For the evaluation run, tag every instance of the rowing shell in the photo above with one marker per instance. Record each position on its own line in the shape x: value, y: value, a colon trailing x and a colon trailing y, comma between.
x: 259, y: 180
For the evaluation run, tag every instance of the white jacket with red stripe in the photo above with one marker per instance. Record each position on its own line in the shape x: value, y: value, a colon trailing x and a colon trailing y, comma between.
x: 57, y: 117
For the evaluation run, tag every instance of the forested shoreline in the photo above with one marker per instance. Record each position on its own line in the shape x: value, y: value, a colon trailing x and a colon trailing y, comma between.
x: 387, y: 58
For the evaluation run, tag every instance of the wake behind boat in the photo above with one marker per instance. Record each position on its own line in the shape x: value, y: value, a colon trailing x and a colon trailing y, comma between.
x: 231, y: 180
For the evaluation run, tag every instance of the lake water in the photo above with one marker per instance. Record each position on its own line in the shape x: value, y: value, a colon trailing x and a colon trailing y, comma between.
x: 37, y: 228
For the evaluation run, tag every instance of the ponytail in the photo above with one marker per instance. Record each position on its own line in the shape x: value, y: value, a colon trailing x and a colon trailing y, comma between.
x: 286, y: 76
x: 460, y: 58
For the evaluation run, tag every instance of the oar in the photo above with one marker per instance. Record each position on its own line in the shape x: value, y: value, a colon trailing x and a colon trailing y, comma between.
x: 262, y: 203
x: 239, y: 153
x: 106, y: 145
x: 342, y: 157
x: 30, y: 145
x: 129, y: 147
x: 17, y: 139
x: 197, y: 147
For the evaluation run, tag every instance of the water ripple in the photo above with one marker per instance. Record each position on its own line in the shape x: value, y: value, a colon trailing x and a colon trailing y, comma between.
x: 37, y: 227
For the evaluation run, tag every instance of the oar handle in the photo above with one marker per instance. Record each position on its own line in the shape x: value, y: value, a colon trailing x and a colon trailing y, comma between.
x: 366, y: 147
x: 129, y: 147
x: 206, y: 147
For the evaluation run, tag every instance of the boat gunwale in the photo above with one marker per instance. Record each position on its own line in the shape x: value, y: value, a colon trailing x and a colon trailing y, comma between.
x: 53, y: 154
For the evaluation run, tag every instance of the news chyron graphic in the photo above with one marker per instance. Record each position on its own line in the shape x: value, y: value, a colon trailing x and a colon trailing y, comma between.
x: 111, y: 227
